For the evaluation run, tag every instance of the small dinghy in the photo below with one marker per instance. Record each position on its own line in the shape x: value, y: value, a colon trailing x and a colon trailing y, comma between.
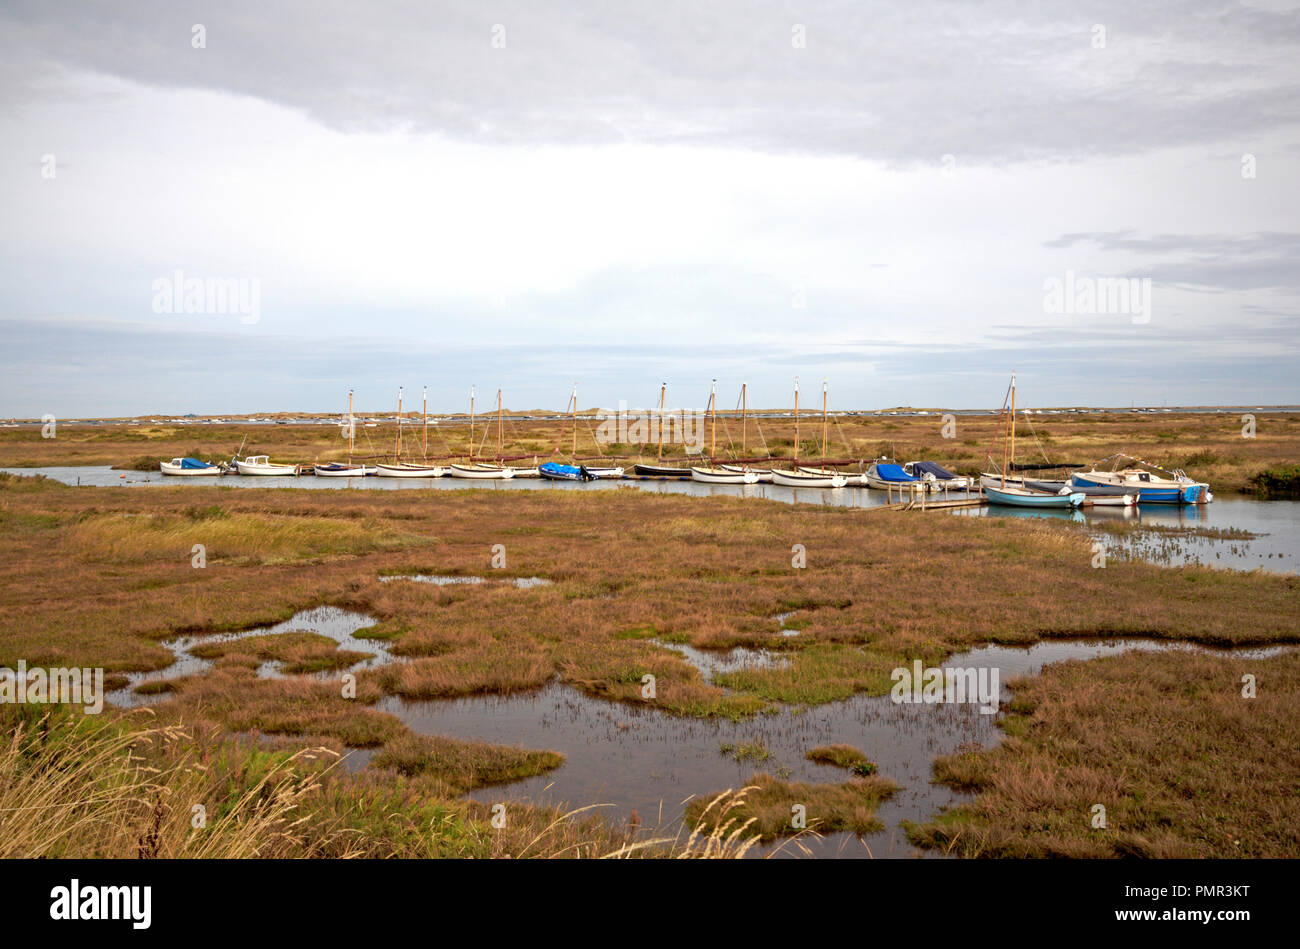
x: 335, y: 469
x: 854, y: 479
x: 552, y: 471
x: 710, y: 475
x: 188, y: 468
x: 661, y: 471
x: 604, y: 471
x: 482, y: 472
x: 260, y: 466
x: 798, y: 479
x: 1022, y: 497
x: 410, y: 471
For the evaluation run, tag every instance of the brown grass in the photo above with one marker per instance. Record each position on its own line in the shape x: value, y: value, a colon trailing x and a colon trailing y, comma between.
x: 1182, y: 763
x: 768, y: 808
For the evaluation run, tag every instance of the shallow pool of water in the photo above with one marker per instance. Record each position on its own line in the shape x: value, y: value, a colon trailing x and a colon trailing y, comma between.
x: 640, y: 760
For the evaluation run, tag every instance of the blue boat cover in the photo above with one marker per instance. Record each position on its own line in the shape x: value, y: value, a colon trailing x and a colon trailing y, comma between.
x: 892, y: 473
x: 932, y: 467
x: 193, y: 463
x: 554, y: 468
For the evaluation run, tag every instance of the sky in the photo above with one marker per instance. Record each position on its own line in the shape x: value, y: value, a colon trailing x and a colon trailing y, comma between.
x: 238, y: 207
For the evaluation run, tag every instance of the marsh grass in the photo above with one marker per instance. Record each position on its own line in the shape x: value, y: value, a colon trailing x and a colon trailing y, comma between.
x: 767, y: 809
x: 843, y: 756
x: 1183, y: 764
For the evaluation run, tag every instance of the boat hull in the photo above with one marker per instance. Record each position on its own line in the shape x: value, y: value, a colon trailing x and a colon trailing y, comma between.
x: 342, y: 471
x: 604, y: 472
x: 175, y: 472
x: 266, y: 471
x: 1152, y: 491
x: 557, y: 472
x: 1019, y: 497
x: 874, y: 480
x: 723, y: 476
x: 661, y: 471
x: 797, y: 479
x: 410, y: 471
x: 477, y: 473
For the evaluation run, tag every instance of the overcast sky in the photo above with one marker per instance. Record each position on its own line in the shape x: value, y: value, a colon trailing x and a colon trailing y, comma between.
x: 527, y: 195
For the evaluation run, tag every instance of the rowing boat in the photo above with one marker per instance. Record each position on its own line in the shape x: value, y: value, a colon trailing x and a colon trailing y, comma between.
x: 482, y: 472
x: 711, y: 475
x: 800, y: 479
x: 335, y: 469
x: 402, y: 470
x: 1021, y: 497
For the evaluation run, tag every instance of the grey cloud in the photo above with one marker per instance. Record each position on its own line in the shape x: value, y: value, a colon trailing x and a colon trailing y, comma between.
x: 986, y: 82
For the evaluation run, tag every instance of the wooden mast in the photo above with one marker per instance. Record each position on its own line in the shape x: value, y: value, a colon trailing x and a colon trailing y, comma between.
x: 662, y: 389
x: 471, y: 425
x: 796, y: 423
x: 713, y: 436
x: 823, y: 423
x: 1012, y: 430
x: 744, y: 418
x: 352, y: 427
x: 575, y: 423
x: 498, y: 426
x: 1013, y: 421
x: 399, y: 425
x: 424, y: 449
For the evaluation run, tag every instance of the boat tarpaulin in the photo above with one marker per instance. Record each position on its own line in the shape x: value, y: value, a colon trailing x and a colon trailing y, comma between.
x: 892, y: 473
x: 933, y: 468
x: 553, y: 468
x: 193, y: 463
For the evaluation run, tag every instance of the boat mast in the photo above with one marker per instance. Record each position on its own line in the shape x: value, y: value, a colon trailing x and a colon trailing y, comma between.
x: 1013, y: 417
x: 425, y: 447
x: 1012, y: 431
x: 352, y: 427
x: 399, y: 425
x: 823, y: 423
x: 471, y: 425
x: 796, y: 422
x: 662, y: 389
x: 575, y: 421
x: 713, y: 436
x: 744, y: 418
x: 498, y: 425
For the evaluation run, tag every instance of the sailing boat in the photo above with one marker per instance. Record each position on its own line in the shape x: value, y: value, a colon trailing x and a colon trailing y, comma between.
x: 796, y: 477
x: 764, y: 474
x: 660, y: 470
x: 712, y: 474
x: 336, y: 469
x: 400, y: 469
x: 1013, y: 492
x: 486, y: 472
x: 859, y: 479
